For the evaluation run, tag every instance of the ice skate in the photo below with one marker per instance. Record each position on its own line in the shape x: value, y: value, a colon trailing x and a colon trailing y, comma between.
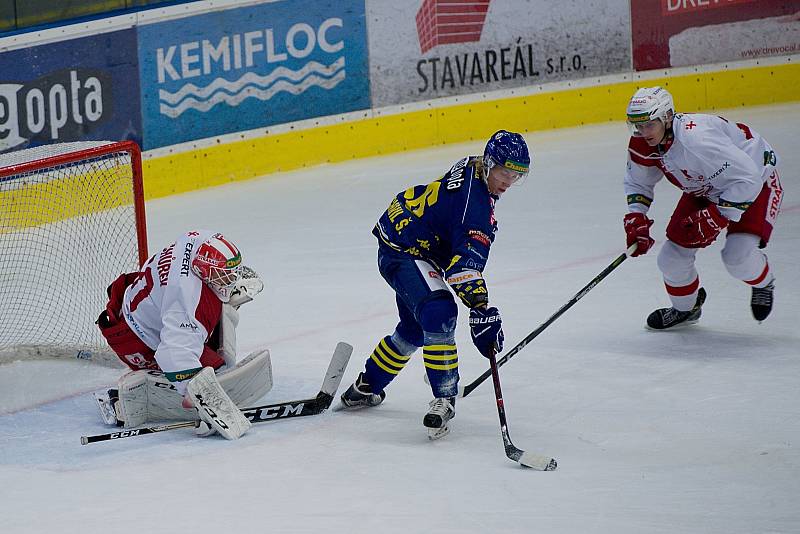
x: 761, y: 301
x: 359, y: 394
x: 442, y: 410
x: 665, y: 318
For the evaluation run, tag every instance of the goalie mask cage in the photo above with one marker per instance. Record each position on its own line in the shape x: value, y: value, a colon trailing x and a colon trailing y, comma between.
x: 71, y: 220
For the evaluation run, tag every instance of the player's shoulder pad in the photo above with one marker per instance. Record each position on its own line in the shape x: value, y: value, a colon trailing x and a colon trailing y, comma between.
x: 460, y: 172
x: 692, y: 129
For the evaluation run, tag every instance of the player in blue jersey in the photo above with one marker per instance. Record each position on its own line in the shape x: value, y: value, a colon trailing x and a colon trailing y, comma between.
x: 434, y: 239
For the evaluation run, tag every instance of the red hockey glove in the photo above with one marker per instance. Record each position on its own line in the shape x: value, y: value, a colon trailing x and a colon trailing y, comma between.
x: 637, y: 229
x: 703, y: 227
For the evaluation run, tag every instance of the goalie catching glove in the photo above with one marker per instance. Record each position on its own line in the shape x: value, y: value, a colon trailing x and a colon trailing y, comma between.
x: 246, y: 287
x: 486, y: 329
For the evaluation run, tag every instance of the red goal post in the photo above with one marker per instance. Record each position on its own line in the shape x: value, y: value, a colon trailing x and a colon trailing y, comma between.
x: 72, y: 218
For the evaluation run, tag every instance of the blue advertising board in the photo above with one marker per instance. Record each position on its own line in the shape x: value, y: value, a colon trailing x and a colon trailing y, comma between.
x: 74, y: 90
x: 245, y: 68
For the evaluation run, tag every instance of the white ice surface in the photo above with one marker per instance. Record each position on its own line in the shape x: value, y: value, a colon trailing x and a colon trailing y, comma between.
x: 674, y: 432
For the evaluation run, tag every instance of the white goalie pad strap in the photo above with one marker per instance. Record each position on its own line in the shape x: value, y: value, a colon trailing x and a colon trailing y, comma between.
x: 229, y: 320
x: 214, y: 406
x: 158, y: 400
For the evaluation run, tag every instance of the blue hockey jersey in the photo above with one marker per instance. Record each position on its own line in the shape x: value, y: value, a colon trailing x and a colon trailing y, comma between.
x: 449, y: 223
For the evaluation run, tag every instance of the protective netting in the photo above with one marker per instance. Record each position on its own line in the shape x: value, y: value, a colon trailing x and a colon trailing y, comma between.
x: 67, y: 229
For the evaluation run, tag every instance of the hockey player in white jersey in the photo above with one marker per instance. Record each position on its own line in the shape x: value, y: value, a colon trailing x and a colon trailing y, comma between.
x: 729, y: 177
x: 173, y: 324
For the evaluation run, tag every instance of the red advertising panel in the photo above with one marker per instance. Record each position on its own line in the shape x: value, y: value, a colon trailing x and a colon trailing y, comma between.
x: 450, y: 21
x: 675, y: 33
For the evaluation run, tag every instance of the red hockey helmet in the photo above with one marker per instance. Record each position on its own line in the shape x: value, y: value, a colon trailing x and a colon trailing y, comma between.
x: 218, y: 263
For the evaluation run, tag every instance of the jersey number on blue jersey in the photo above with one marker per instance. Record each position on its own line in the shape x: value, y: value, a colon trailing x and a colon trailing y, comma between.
x: 427, y: 198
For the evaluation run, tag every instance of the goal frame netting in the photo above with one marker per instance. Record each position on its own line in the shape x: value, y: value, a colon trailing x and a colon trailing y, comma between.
x: 78, y: 156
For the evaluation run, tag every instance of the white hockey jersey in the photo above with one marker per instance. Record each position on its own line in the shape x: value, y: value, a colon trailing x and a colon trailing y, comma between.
x: 170, y: 308
x: 725, y: 162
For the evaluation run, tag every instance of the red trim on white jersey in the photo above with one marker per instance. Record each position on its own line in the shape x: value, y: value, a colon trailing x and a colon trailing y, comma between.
x: 638, y: 147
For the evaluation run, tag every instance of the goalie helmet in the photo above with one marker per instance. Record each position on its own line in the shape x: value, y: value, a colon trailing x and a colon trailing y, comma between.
x: 218, y: 263
x: 509, y: 150
x: 647, y: 104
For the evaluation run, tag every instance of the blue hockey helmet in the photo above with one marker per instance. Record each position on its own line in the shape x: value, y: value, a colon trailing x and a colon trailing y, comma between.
x: 507, y: 149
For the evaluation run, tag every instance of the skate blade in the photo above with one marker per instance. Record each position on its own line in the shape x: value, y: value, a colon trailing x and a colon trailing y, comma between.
x: 679, y: 326
x: 341, y: 407
x: 438, y: 433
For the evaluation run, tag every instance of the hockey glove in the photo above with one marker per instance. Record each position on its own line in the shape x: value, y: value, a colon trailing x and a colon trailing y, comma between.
x: 702, y: 227
x: 637, y: 230
x: 486, y: 328
x: 248, y: 286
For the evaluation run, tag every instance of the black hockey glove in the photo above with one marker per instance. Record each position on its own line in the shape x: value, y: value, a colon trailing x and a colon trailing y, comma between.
x: 486, y: 328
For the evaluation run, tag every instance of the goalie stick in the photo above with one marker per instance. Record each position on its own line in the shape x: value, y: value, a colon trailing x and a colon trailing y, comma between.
x: 528, y: 459
x: 521, y: 345
x: 259, y: 414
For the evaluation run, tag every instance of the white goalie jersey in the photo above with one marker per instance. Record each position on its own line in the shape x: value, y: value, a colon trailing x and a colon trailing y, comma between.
x: 725, y: 162
x: 170, y: 308
x: 177, y: 323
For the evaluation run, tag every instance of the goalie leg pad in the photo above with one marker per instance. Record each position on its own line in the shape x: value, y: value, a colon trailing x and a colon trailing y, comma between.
x: 147, y: 396
x: 131, y: 407
x: 214, y: 406
x: 164, y: 401
x: 250, y: 380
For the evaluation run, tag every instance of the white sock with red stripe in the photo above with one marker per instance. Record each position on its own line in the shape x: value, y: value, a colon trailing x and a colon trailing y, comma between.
x: 745, y: 261
x: 683, y: 296
x: 676, y: 264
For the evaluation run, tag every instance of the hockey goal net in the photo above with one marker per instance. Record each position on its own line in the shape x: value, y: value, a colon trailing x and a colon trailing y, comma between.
x: 71, y: 220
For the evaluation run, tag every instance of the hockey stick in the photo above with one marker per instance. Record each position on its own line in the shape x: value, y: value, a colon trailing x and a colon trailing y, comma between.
x: 528, y: 459
x: 260, y: 414
x: 521, y: 345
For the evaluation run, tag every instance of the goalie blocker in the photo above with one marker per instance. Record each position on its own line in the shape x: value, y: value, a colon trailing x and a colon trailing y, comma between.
x: 214, y: 407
